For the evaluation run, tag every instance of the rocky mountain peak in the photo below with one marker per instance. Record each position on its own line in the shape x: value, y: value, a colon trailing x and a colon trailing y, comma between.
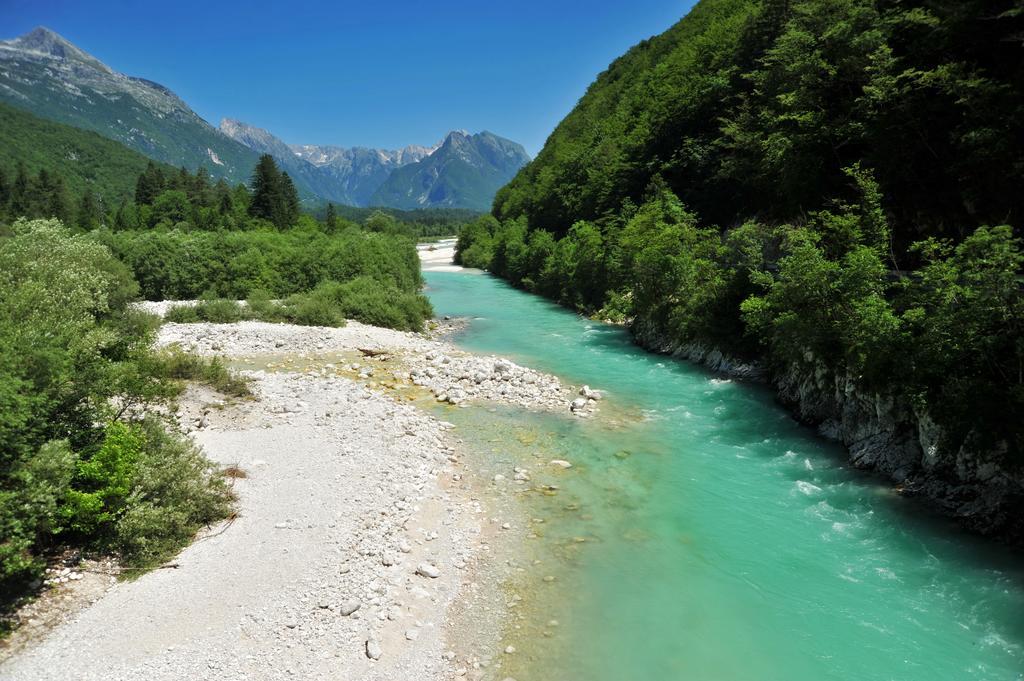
x: 43, y: 41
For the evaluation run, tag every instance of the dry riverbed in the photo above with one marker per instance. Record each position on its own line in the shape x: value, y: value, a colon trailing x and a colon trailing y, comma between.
x: 363, y: 548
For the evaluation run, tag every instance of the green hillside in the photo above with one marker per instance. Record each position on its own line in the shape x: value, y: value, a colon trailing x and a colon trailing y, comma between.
x: 84, y: 159
x: 753, y: 109
x: 830, y: 186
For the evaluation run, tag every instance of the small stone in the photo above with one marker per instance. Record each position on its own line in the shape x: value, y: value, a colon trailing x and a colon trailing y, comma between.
x: 412, y: 634
x: 349, y: 607
x: 510, y: 650
x: 373, y: 649
x: 428, y: 570
x: 561, y: 463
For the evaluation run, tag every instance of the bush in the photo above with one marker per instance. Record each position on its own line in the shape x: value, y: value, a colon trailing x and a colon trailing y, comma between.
x: 182, y: 314
x: 74, y: 360
x: 174, y: 493
x: 312, y: 309
x: 365, y: 300
x: 176, y: 364
x: 103, y: 481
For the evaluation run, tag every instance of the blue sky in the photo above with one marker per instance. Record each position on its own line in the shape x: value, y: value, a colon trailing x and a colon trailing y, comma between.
x: 381, y: 74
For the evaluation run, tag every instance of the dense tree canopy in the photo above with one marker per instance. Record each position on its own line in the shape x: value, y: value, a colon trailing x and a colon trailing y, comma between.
x: 809, y: 181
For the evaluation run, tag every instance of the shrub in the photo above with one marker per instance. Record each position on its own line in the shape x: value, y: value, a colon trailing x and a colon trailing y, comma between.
x: 74, y: 360
x: 176, y: 364
x: 174, y: 493
x: 367, y: 301
x: 182, y: 314
x: 103, y: 481
x: 312, y: 309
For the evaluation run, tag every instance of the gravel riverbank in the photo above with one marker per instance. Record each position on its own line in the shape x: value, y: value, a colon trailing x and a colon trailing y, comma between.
x: 358, y: 531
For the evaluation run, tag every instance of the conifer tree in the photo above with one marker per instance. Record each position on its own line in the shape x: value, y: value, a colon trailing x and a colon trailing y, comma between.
x: 149, y: 185
x: 222, y: 197
x: 266, y: 191
x: 289, y: 202
x: 89, y: 212
x: 20, y: 193
x: 331, y: 221
x: 57, y: 202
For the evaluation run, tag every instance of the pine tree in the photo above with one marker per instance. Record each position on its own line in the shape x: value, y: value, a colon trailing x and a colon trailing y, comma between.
x: 5, y: 191
x: 89, y: 212
x: 149, y: 185
x: 20, y: 193
x: 222, y: 197
x: 289, y: 202
x: 266, y: 191
x: 331, y: 221
x: 122, y: 220
x: 58, y: 205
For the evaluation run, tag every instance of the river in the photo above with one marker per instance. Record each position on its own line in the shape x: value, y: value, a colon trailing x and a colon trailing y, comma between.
x: 702, y: 534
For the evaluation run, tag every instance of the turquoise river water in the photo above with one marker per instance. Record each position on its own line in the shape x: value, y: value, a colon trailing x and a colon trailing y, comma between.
x: 703, y: 535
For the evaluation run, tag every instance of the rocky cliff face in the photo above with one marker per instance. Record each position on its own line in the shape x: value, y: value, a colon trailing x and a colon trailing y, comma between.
x: 883, y: 433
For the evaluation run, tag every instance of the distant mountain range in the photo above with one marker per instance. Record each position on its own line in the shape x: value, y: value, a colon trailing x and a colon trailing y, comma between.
x: 462, y: 171
x: 45, y: 74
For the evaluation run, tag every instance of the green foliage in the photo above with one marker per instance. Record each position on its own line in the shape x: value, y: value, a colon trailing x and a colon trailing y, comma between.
x: 74, y: 160
x: 285, y: 265
x: 74, y: 360
x: 475, y: 247
x: 964, y: 319
x: 756, y: 107
x: 861, y: 147
x: 274, y: 198
x: 364, y: 299
x: 175, y: 364
x: 103, y: 481
x: 174, y: 492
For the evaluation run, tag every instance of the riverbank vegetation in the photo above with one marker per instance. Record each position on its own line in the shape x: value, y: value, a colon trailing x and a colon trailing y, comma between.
x: 822, y: 184
x: 185, y: 237
x: 86, y: 460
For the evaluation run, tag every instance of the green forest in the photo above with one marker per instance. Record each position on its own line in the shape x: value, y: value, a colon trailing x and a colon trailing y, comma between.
x: 826, y: 185
x: 85, y: 462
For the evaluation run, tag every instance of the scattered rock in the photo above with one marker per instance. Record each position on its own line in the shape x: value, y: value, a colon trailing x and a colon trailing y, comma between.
x: 349, y: 607
x: 428, y: 570
x: 373, y: 649
x: 561, y: 463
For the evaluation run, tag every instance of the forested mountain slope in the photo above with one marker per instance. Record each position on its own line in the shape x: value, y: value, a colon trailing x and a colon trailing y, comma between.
x: 750, y: 108
x: 75, y: 161
x: 44, y: 74
x: 831, y: 187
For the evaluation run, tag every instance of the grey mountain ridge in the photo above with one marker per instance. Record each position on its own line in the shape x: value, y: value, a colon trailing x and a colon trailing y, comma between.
x: 50, y: 77
x: 347, y: 176
x: 462, y: 171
